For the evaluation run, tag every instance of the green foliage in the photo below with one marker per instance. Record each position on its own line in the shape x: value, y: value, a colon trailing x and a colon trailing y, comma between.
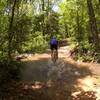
x: 75, y: 24
x: 52, y: 24
x: 85, y: 51
x: 37, y: 22
x: 59, y: 37
x: 22, y: 29
x: 36, y: 44
x: 33, y: 26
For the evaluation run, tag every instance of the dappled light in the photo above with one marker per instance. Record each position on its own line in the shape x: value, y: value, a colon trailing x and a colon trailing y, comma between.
x: 87, y: 83
x: 64, y: 79
x: 49, y: 50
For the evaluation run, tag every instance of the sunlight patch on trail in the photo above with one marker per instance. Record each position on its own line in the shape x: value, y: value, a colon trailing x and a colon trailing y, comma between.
x: 90, y: 84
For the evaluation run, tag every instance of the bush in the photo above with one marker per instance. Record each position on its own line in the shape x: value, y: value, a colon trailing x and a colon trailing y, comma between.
x: 9, y: 71
x: 85, y: 51
x: 37, y: 44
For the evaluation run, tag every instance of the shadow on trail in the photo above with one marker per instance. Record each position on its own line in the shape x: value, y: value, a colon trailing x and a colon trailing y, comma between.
x: 44, y: 80
x: 35, y: 70
x: 57, y: 81
x: 62, y: 72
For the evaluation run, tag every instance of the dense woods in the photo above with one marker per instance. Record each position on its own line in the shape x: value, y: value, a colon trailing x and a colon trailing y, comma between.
x: 26, y: 27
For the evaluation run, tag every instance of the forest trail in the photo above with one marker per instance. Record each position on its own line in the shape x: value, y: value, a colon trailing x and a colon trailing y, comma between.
x: 42, y: 64
x: 66, y: 74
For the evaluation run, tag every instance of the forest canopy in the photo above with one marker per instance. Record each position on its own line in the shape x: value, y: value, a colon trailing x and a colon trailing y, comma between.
x: 29, y: 70
x: 28, y: 25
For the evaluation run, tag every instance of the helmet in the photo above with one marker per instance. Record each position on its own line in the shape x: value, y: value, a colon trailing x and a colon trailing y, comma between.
x: 54, y: 37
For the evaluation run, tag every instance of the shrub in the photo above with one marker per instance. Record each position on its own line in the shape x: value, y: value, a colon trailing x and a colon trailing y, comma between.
x: 9, y: 71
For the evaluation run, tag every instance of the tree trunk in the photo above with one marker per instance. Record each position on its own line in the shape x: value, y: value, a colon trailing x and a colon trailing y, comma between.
x: 79, y: 27
x: 10, y: 32
x: 43, y: 17
x: 93, y: 26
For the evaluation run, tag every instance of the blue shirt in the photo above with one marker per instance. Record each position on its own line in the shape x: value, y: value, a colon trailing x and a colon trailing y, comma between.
x: 53, y: 41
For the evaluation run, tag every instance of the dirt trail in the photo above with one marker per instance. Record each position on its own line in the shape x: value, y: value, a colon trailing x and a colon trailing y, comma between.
x: 39, y: 66
x: 67, y: 73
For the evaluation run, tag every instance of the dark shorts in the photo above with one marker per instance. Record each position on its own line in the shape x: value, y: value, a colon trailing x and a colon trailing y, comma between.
x: 52, y: 47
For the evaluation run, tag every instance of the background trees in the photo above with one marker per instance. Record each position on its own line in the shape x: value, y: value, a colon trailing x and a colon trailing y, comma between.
x: 23, y: 23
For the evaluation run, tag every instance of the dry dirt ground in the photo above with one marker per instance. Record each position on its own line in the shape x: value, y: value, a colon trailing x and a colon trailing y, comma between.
x: 64, y: 80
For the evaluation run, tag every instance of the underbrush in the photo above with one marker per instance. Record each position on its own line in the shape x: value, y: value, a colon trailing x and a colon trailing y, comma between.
x: 38, y: 44
x: 9, y: 71
x: 85, y: 52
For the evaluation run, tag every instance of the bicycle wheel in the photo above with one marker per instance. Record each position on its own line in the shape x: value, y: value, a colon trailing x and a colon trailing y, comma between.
x: 54, y: 56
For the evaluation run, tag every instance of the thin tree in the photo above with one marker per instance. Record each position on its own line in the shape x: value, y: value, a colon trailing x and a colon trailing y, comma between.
x: 10, y: 31
x: 93, y: 26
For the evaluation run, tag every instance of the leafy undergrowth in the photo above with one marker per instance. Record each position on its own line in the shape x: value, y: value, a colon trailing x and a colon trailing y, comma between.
x: 41, y: 91
x: 84, y: 53
x: 8, y: 72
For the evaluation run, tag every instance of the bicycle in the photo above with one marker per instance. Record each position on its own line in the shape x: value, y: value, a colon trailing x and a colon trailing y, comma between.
x: 54, y: 56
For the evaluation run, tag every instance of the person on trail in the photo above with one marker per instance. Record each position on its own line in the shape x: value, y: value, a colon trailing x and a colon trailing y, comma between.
x: 54, y: 45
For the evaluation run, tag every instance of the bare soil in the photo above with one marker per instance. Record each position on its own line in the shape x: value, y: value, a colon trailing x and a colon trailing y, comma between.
x: 64, y: 80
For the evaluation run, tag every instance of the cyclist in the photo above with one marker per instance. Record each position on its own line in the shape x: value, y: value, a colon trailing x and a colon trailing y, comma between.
x: 54, y: 45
